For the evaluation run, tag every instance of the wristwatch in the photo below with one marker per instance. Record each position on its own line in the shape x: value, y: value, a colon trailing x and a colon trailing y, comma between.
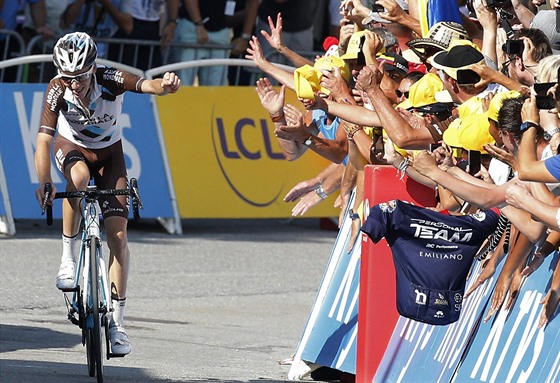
x: 353, y: 215
x: 548, y: 135
x: 526, y: 125
x: 309, y: 141
x: 321, y: 192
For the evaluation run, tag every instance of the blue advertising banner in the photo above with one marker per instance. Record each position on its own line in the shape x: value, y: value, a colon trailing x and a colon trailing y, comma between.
x: 21, y: 115
x: 511, y: 348
x: 329, y: 338
x: 420, y: 352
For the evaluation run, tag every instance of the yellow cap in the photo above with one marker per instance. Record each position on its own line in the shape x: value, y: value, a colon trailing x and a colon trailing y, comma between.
x: 497, y: 101
x: 451, y: 134
x: 307, y: 79
x: 423, y: 91
x: 474, y: 132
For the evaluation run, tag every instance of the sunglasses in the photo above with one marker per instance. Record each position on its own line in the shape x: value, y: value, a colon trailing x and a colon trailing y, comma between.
x: 400, y: 94
x: 68, y: 80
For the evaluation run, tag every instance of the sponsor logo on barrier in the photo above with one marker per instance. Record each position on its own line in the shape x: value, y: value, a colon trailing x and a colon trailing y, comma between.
x: 237, y: 147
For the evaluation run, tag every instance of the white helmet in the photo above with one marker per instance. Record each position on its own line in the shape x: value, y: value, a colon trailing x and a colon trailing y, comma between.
x: 74, y: 52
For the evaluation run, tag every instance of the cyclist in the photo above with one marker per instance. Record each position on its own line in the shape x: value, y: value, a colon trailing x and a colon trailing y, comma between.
x: 83, y: 103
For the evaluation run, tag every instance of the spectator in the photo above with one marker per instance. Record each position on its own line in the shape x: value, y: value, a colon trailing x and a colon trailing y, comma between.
x: 204, y: 22
x: 9, y: 46
x: 101, y: 18
x: 296, y: 23
x: 148, y: 25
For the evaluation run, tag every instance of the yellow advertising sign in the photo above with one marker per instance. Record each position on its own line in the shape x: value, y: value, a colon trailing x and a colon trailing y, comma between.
x: 225, y: 160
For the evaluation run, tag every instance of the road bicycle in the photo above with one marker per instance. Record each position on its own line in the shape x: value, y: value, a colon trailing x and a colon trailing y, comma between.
x: 91, y: 299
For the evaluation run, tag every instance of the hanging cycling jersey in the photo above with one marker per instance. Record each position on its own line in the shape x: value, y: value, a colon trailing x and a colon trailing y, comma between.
x: 432, y: 253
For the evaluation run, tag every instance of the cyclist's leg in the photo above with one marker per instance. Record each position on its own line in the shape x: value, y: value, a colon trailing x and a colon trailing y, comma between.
x: 112, y: 175
x: 71, y: 162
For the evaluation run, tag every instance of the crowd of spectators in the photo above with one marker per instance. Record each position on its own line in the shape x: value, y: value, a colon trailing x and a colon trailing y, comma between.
x: 467, y: 105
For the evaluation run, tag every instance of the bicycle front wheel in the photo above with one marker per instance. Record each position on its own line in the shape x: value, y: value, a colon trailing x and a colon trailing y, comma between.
x: 93, y: 338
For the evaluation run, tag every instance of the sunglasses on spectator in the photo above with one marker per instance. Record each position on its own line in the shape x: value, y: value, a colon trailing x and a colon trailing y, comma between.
x: 68, y: 80
x: 400, y: 93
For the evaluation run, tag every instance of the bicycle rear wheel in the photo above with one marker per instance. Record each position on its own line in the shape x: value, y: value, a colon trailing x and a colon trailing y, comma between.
x: 93, y: 338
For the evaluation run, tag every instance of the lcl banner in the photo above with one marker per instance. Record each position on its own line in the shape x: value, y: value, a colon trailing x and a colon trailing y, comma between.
x: 225, y: 160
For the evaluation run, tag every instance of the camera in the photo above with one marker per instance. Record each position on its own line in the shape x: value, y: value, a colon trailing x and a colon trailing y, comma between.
x: 467, y: 77
x: 490, y: 4
x: 374, y: 7
x: 513, y: 47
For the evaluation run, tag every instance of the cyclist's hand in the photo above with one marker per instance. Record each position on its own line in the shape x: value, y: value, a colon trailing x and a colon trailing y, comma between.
x: 171, y: 82
x: 40, y: 194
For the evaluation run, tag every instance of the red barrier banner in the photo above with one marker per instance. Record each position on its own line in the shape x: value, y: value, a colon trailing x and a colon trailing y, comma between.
x: 377, y: 312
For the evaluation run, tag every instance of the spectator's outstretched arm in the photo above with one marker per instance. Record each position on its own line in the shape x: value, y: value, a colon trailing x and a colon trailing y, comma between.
x: 333, y: 150
x: 523, y: 13
x: 489, y: 22
x: 255, y: 53
x: 529, y: 167
x: 518, y: 196
x: 551, y: 299
x: 273, y: 102
x: 484, y: 197
x: 275, y: 41
x: 517, y: 255
x: 399, y: 129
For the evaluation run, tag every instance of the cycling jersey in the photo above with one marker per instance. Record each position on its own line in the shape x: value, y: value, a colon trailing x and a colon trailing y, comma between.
x: 94, y: 126
x: 432, y: 253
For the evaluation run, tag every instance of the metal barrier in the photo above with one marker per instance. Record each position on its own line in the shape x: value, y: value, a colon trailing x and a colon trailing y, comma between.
x: 12, y: 45
x: 42, y: 71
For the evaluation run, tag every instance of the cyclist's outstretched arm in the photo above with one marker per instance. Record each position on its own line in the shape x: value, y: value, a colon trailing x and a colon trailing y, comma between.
x: 170, y: 83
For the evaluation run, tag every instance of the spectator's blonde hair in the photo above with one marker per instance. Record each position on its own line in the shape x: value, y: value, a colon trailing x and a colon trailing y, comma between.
x: 548, y: 69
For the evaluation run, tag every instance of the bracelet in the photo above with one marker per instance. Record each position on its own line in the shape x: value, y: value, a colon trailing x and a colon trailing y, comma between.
x: 277, y: 117
x: 246, y: 36
x: 201, y: 22
x: 350, y: 133
x: 321, y: 192
x: 401, y: 169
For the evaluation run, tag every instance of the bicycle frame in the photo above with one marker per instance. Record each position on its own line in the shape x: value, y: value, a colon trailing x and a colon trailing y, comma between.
x: 91, y: 302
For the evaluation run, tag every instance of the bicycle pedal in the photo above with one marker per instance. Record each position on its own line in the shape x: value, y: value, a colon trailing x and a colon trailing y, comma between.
x: 111, y: 355
x: 71, y: 289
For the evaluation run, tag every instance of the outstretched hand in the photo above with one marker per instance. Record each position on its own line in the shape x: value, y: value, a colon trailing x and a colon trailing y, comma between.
x: 271, y: 100
x: 274, y: 38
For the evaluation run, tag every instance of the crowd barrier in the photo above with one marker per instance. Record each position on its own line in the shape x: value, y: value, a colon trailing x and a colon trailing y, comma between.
x: 354, y: 326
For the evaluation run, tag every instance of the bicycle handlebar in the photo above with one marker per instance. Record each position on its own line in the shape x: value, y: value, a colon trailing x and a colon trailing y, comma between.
x: 46, y: 206
x: 93, y: 194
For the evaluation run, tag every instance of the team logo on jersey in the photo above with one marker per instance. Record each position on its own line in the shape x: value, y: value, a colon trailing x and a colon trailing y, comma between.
x: 388, y: 207
x: 441, y: 301
x: 479, y: 216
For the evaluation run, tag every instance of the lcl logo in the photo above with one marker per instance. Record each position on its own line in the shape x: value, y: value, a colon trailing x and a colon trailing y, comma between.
x: 249, y: 159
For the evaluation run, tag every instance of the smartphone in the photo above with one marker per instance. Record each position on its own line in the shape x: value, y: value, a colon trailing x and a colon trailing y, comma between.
x: 513, y: 47
x: 474, y: 162
x: 544, y: 101
x: 434, y: 146
x: 467, y: 77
